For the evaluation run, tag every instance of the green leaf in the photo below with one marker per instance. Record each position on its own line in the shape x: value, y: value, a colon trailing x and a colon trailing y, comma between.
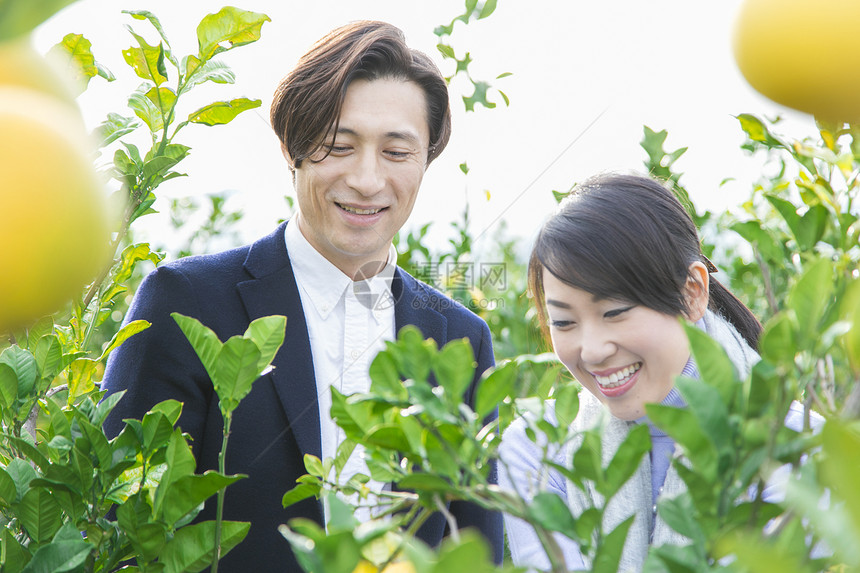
x: 156, y: 23
x: 841, y: 467
x: 143, y: 108
x: 609, y: 550
x: 488, y: 8
x: 132, y: 255
x: 314, y: 466
x: 680, y: 515
x: 146, y: 61
x: 8, y: 491
x: 425, y: 483
x: 384, y: 377
x: 683, y: 426
x: 809, y: 298
x: 80, y: 375
x: 192, y: 547
x: 470, y: 555
x: 228, y: 29
x: 98, y: 443
x: 124, y: 333
x: 710, y: 409
x: 479, y: 96
x: 156, y: 431
x: 446, y: 50
x: 300, y: 492
x: 15, y: 556
x: 180, y: 463
x: 74, y: 54
x: 777, y: 341
x: 23, y: 364
x: 40, y: 514
x: 114, y: 127
x: 566, y: 404
x: 213, y: 71
x: 49, y: 356
x: 626, y: 460
x: 494, y: 386
x: 235, y: 372
x: 714, y: 365
x: 60, y: 556
x: 454, y: 367
x: 19, y: 18
x: 760, y: 239
x: 222, y: 112
x: 390, y: 437
x: 22, y: 473
x: 163, y: 99
x: 267, y: 333
x: 205, y: 342
x: 189, y: 491
x: 551, y: 512
x: 8, y: 386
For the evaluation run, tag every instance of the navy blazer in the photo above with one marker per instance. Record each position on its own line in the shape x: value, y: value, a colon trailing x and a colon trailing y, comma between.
x: 278, y: 422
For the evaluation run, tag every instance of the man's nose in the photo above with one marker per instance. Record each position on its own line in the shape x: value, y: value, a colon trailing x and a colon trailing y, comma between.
x: 366, y: 175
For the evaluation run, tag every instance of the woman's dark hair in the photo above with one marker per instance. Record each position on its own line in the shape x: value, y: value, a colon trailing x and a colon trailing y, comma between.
x: 628, y: 237
x: 307, y: 103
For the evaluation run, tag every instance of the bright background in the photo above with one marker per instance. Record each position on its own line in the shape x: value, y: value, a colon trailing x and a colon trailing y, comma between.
x: 586, y: 77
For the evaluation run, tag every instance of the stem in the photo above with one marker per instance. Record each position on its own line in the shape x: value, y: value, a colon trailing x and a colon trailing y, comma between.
x: 768, y: 287
x: 219, y: 512
x: 452, y: 521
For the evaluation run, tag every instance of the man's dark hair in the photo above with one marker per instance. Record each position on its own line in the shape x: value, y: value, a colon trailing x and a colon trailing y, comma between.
x: 307, y: 103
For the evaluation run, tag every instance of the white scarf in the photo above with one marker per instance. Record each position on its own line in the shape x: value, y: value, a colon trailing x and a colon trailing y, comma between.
x: 634, y: 497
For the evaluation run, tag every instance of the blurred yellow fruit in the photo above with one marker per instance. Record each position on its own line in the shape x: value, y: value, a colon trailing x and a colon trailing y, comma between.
x: 804, y: 54
x: 21, y: 66
x: 398, y: 567
x: 53, y: 224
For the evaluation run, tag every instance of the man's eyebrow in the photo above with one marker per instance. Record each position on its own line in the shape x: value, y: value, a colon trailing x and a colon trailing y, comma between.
x: 404, y: 135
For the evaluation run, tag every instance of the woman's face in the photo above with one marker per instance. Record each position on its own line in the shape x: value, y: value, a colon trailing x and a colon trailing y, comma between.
x: 625, y: 354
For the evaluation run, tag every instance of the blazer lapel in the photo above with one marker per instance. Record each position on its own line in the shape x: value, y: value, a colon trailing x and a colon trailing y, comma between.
x: 273, y: 290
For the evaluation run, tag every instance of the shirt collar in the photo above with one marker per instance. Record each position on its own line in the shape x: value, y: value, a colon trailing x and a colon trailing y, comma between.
x: 325, y: 284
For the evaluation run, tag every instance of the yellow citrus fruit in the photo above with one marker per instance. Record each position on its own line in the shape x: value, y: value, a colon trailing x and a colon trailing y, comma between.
x: 22, y: 66
x: 398, y: 567
x: 54, y: 229
x: 804, y: 54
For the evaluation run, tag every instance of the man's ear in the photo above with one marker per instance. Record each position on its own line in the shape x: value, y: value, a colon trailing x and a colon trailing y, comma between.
x: 696, y: 291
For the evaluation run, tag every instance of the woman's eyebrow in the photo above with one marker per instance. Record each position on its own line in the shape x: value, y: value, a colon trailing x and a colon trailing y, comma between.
x: 557, y: 303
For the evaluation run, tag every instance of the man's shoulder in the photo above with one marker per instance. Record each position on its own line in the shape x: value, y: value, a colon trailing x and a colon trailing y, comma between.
x: 422, y: 296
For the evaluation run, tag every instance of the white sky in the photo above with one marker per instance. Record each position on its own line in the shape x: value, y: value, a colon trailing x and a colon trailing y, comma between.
x: 662, y: 63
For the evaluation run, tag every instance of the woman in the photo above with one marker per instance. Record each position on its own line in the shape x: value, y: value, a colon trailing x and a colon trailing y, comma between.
x: 611, y: 272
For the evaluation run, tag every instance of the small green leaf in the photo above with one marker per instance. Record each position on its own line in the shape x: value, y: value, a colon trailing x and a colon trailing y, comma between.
x: 388, y: 436
x: 156, y: 23
x: 143, y: 108
x: 189, y: 491
x: 23, y: 364
x: 454, y: 367
x: 15, y: 555
x: 192, y: 547
x: 713, y: 363
x: 8, y: 491
x: 114, y: 127
x: 75, y: 55
x: 683, y: 426
x: 236, y: 368
x: 40, y: 514
x: 22, y: 473
x: 680, y: 515
x: 300, y: 492
x: 809, y: 298
x: 314, y: 466
x: 384, y: 377
x: 213, y: 71
x: 479, y: 96
x: 180, y: 463
x: 267, y: 333
x: 446, y: 50
x: 609, y: 550
x: 228, y: 29
x: 124, y: 333
x: 488, y: 8
x: 626, y: 460
x: 494, y: 386
x: 146, y: 61
x: 205, y: 342
x: 81, y: 373
x: 49, y: 356
x: 19, y: 18
x: 60, y: 556
x: 551, y: 512
x: 566, y: 404
x: 222, y: 112
x: 777, y: 342
x: 8, y: 386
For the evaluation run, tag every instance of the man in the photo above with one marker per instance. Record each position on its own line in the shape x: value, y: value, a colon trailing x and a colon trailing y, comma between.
x: 359, y: 119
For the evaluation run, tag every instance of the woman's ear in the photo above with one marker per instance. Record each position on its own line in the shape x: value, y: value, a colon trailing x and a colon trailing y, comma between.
x: 696, y: 293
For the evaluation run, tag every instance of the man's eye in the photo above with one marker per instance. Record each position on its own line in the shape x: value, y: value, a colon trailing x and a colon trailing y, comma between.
x: 336, y: 149
x: 395, y: 154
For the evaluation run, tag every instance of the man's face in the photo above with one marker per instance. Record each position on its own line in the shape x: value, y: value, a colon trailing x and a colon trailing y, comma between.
x: 353, y: 200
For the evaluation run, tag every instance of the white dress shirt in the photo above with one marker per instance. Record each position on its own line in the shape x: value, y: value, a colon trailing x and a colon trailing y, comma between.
x: 348, y: 323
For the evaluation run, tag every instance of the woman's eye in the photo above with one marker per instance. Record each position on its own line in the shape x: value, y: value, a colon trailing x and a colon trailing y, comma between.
x: 561, y: 324
x: 616, y: 312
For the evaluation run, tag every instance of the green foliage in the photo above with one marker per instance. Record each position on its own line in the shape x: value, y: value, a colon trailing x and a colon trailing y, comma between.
x: 71, y: 497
